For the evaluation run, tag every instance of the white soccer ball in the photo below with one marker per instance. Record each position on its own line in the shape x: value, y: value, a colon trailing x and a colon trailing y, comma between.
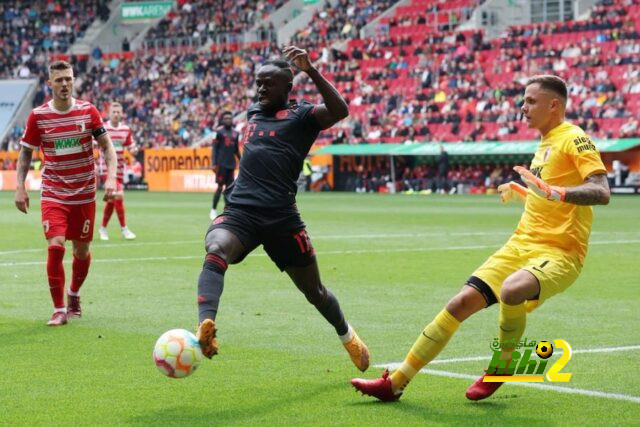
x: 177, y: 353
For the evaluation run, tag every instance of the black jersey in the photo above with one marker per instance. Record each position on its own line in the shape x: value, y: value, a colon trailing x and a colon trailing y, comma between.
x: 275, y: 147
x: 225, y: 148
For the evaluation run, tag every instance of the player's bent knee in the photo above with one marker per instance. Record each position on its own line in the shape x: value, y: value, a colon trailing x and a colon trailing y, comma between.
x: 316, y: 295
x: 510, y: 294
x: 465, y: 303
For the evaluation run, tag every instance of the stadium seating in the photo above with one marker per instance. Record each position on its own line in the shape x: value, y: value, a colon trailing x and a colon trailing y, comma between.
x: 31, y: 31
x: 417, y: 80
x: 211, y: 18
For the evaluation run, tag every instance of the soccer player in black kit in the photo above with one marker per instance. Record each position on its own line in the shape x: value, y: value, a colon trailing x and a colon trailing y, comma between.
x: 223, y: 155
x: 261, y: 205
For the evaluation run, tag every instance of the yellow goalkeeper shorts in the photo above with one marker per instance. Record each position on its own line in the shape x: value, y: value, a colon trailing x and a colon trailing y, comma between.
x: 554, y: 269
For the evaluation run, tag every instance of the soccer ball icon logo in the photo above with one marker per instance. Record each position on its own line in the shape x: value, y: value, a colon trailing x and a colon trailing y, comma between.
x: 544, y: 349
x: 177, y: 353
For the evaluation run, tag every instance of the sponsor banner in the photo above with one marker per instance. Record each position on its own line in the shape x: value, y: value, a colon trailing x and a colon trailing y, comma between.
x: 132, y: 11
x: 158, y: 164
x: 203, y: 181
x: 8, y: 181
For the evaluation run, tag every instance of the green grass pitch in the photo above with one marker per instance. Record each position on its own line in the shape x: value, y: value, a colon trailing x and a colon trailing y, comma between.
x: 393, y: 262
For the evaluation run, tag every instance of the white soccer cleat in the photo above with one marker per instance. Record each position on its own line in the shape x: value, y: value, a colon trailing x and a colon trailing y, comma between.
x: 212, y: 214
x: 102, y: 231
x: 128, y: 234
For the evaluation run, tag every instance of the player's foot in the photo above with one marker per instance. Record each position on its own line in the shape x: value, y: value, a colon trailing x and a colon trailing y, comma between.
x: 358, y: 352
x: 380, y: 388
x: 127, y: 234
x: 212, y: 214
x: 102, y: 231
x: 59, y: 318
x: 480, y: 390
x: 206, y: 336
x: 73, y: 306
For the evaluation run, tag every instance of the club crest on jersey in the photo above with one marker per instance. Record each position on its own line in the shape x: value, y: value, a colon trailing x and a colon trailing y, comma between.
x: 282, y: 114
x: 547, y: 152
x: 81, y: 126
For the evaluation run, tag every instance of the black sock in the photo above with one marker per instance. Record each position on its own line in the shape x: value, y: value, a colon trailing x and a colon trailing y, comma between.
x: 330, y: 310
x: 216, y: 198
x: 210, y: 285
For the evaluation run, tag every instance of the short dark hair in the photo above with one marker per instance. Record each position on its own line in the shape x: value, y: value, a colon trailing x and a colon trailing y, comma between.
x: 283, y: 65
x: 226, y: 113
x: 549, y: 82
x: 59, y: 65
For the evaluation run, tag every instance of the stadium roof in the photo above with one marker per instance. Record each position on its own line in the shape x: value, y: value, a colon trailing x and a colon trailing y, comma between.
x: 460, y: 148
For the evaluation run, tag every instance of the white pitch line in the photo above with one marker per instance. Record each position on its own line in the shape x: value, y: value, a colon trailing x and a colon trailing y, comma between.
x: 319, y: 237
x: 323, y: 253
x: 476, y: 358
x: 559, y: 389
x: 112, y: 245
x: 325, y: 237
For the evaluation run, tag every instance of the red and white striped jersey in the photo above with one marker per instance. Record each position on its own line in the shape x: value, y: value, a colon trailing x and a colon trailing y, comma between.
x: 65, y: 138
x: 121, y: 137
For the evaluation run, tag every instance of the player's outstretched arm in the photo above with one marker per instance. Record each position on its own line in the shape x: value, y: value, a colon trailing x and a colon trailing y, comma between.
x: 104, y: 141
x: 22, y: 169
x: 334, y: 108
x: 594, y: 190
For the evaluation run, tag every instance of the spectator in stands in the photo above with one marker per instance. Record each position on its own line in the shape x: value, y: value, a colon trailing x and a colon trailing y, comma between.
x: 630, y: 128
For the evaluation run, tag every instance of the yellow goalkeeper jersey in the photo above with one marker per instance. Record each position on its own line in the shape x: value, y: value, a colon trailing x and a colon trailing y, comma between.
x: 565, y: 157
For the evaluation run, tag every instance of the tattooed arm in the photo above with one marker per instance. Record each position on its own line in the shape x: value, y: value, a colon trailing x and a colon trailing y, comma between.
x: 594, y: 191
x: 22, y: 169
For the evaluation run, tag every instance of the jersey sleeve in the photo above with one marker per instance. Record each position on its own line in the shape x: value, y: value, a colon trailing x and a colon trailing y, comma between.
x: 129, y: 141
x: 306, y: 112
x: 31, y: 137
x: 585, y: 155
x: 97, y: 125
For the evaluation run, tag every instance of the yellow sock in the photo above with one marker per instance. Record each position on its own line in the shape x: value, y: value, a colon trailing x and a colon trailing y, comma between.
x: 430, y: 342
x: 513, y: 319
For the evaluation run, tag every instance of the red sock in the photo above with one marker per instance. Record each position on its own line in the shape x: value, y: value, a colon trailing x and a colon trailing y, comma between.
x: 120, y: 211
x: 108, y: 210
x: 79, y: 270
x: 55, y: 274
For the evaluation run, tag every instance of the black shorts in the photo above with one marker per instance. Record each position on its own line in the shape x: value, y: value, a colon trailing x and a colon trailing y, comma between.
x: 224, y: 176
x: 281, y: 231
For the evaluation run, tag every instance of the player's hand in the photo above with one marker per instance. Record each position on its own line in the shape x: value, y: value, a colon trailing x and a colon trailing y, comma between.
x: 109, y: 189
x: 540, y: 187
x: 511, y: 191
x: 22, y: 199
x: 298, y: 57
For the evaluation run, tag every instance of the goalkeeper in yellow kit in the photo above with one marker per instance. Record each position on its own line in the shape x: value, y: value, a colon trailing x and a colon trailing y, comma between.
x: 546, y: 252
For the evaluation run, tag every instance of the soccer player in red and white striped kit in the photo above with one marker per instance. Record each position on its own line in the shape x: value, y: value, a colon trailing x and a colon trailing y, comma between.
x: 122, y: 138
x: 63, y: 129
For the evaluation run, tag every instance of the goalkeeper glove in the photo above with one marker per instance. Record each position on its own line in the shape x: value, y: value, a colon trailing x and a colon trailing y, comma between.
x: 512, y: 191
x: 540, y: 187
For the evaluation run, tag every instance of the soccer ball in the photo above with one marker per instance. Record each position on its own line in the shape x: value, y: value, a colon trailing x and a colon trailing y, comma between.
x: 177, y: 353
x: 544, y: 349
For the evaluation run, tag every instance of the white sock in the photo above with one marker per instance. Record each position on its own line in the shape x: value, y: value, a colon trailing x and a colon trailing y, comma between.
x: 73, y: 294
x: 60, y: 310
x: 348, y: 336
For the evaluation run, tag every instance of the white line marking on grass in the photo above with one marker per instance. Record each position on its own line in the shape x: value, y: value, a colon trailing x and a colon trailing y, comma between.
x: 319, y: 237
x: 323, y: 253
x: 559, y: 389
x: 476, y: 358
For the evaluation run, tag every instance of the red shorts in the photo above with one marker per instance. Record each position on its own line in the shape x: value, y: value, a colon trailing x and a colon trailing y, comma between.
x: 119, y: 184
x: 74, y: 222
